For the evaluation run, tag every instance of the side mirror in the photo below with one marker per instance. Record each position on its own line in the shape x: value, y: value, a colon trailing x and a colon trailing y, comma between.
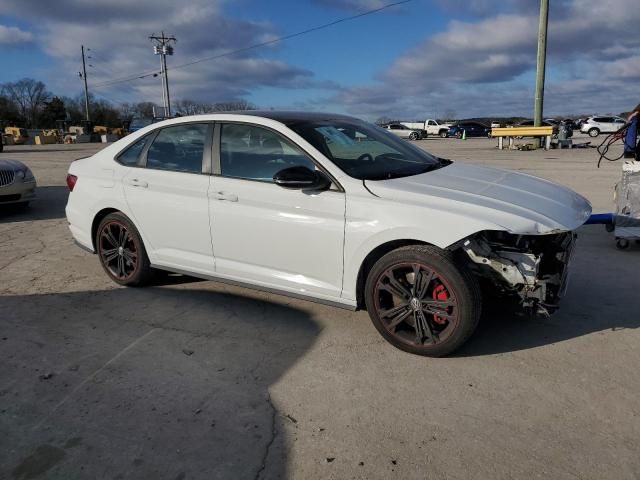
x: 302, y: 178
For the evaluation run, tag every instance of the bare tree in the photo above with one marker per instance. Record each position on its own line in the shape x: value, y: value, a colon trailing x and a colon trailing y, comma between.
x: 238, y: 105
x: 449, y: 114
x: 191, y: 107
x: 29, y: 96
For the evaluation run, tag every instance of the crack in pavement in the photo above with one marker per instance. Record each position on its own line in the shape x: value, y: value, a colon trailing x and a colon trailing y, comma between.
x: 22, y: 257
x: 274, y: 434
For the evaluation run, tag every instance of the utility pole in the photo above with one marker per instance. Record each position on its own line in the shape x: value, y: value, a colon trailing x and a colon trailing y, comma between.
x: 541, y: 62
x: 163, y: 48
x: 83, y: 75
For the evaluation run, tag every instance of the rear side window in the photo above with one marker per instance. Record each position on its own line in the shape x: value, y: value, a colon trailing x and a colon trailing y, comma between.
x: 178, y: 148
x: 131, y: 155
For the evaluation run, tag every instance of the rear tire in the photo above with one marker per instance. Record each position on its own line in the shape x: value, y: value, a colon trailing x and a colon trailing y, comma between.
x: 593, y: 132
x: 414, y: 136
x: 121, y: 251
x: 444, y: 134
x: 422, y: 301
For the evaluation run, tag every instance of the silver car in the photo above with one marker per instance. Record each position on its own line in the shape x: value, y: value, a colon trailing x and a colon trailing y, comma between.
x: 594, y: 126
x: 17, y: 183
x: 403, y: 131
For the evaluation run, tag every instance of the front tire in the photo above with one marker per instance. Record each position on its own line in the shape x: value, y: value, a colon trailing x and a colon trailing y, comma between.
x: 593, y: 132
x: 422, y: 301
x: 121, y: 251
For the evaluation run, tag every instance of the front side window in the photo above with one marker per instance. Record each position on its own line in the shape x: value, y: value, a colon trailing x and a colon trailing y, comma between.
x: 364, y: 151
x: 178, y: 148
x: 131, y: 156
x: 256, y: 153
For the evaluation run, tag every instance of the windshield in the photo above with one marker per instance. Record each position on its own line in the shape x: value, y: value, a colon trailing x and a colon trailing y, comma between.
x: 365, y: 151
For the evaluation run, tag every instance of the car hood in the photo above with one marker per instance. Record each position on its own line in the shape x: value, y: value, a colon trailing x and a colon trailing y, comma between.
x: 11, y: 164
x: 517, y: 202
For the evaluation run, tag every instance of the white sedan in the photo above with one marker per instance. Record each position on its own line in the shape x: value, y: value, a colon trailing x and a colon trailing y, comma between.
x: 326, y: 208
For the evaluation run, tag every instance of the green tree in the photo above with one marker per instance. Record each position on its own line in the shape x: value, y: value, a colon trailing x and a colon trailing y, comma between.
x: 53, y: 110
x: 9, y: 114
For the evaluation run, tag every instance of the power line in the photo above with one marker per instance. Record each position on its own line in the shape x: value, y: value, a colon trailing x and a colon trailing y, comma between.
x: 254, y: 46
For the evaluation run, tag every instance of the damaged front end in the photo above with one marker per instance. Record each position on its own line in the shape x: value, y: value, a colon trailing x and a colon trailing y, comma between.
x: 531, y: 267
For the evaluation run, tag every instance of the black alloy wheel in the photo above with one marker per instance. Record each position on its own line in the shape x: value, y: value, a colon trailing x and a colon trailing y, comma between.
x: 121, y: 251
x: 421, y: 301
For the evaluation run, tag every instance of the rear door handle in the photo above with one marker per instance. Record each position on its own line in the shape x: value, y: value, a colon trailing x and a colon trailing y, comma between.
x: 229, y: 197
x: 134, y: 182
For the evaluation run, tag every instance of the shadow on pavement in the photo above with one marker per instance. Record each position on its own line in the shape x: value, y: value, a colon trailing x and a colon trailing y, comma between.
x: 49, y: 204
x: 602, y: 295
x: 164, y: 382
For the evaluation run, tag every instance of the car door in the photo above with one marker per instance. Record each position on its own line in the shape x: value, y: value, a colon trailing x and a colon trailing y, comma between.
x: 396, y: 130
x: 600, y: 123
x: 168, y: 196
x: 263, y: 233
x: 617, y: 124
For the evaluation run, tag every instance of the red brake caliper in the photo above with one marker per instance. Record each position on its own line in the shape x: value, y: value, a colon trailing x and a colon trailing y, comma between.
x: 440, y: 293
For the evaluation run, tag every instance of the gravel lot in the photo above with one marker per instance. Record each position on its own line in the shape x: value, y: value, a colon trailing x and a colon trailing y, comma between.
x: 191, y: 379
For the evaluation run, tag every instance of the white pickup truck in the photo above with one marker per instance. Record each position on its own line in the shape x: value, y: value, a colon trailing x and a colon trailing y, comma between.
x: 432, y: 127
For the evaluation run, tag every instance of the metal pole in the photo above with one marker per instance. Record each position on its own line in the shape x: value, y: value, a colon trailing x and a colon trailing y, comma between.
x: 163, y: 48
x: 86, y: 90
x: 541, y: 62
x: 166, y: 86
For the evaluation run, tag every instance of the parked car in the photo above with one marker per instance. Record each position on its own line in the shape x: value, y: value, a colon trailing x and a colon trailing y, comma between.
x: 430, y: 126
x: 544, y: 123
x: 403, y: 131
x: 596, y: 125
x: 472, y: 129
x: 288, y: 202
x: 17, y: 183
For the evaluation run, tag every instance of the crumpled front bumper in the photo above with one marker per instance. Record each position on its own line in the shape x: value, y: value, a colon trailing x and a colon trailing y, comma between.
x: 533, y: 267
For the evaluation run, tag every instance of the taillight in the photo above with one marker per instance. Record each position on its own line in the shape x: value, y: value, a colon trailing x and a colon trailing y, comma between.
x: 71, y: 181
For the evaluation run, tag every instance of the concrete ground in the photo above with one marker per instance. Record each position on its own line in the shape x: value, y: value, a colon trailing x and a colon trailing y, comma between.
x: 196, y: 380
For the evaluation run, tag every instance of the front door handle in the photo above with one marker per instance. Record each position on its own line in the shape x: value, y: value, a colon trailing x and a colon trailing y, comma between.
x: 229, y: 197
x: 134, y: 182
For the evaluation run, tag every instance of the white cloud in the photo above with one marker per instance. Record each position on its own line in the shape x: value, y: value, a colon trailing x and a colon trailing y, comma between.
x: 116, y: 33
x: 14, y: 36
x: 480, y: 67
x: 354, y: 5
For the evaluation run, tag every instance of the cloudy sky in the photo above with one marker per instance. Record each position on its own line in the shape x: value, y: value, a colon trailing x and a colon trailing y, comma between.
x: 418, y: 60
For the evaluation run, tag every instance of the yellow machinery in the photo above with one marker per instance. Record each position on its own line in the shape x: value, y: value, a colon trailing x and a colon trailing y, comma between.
x: 119, y: 132
x: 100, y: 129
x: 47, y: 137
x: 19, y: 135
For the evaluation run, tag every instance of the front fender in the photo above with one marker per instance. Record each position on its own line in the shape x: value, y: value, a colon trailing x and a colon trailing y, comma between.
x: 371, y: 226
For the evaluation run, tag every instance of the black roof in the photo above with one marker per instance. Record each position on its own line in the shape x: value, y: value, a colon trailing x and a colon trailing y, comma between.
x: 293, y: 117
